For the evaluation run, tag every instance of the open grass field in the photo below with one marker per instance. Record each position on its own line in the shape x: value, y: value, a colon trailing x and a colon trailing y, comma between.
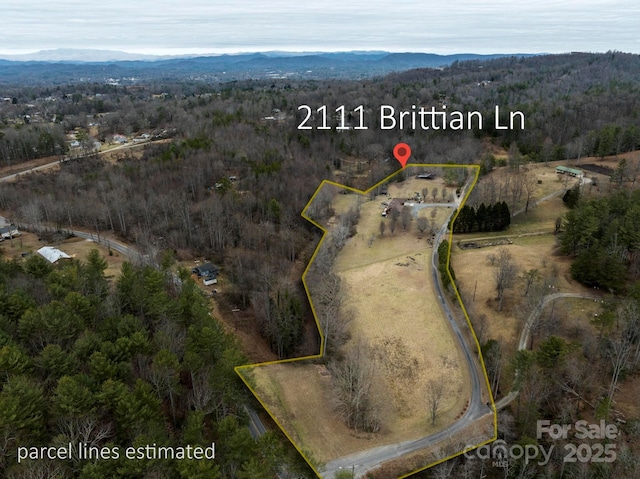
x: 529, y: 251
x: 298, y: 396
x: 388, y: 288
x: 397, y: 313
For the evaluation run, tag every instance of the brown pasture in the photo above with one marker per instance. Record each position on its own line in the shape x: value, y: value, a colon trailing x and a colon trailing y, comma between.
x: 389, y: 291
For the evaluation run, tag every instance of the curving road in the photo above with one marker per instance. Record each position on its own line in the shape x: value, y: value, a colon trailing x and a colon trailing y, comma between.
x: 364, y: 461
x: 526, y: 331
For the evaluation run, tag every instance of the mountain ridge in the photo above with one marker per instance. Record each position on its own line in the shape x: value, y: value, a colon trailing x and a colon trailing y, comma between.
x: 223, y: 67
x: 80, y: 55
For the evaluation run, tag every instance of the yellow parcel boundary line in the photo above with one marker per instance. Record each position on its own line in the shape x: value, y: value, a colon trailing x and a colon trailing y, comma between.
x: 239, y: 369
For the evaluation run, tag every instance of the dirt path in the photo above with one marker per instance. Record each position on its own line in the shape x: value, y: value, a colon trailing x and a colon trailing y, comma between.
x: 526, y: 333
x: 521, y: 235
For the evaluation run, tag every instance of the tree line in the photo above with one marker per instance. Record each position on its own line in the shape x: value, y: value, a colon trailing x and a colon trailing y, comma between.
x: 496, y: 217
x: 603, y: 235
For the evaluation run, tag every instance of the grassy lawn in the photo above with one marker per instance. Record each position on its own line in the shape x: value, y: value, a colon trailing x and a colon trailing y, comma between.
x: 529, y: 250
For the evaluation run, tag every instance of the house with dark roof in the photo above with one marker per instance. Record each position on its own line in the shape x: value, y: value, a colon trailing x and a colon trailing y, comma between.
x: 205, y: 269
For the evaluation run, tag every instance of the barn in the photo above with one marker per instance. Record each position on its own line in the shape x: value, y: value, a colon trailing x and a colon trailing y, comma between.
x: 565, y: 170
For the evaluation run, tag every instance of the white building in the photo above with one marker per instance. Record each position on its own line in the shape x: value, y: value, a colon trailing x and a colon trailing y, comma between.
x: 52, y: 254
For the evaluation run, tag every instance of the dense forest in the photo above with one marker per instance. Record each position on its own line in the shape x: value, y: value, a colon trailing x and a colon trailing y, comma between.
x: 604, y: 236
x: 139, y: 363
x: 575, y: 104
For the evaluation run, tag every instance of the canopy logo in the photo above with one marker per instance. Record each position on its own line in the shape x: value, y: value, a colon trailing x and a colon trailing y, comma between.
x: 500, y: 453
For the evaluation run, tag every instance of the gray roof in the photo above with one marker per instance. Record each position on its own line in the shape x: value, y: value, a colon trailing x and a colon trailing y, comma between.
x: 206, y: 269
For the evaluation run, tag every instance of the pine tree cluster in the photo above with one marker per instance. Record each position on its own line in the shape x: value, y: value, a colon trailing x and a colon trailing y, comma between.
x: 484, y: 218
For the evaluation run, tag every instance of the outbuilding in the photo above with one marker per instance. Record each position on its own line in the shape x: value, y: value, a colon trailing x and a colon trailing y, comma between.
x: 52, y: 254
x: 565, y: 170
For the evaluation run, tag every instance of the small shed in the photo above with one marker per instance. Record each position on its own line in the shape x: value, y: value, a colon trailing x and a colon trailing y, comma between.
x: 52, y: 254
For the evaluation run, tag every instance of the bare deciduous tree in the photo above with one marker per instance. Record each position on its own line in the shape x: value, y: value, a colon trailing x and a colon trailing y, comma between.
x: 340, y: 235
x: 530, y: 184
x: 422, y: 224
x: 504, y: 275
x: 87, y: 429
x: 446, y: 468
x: 619, y: 351
x: 436, y: 390
x: 530, y: 277
x: 516, y: 186
x: 352, y: 379
x: 405, y: 217
x: 493, y: 362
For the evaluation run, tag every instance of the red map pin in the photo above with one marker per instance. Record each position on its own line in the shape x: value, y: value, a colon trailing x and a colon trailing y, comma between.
x: 402, y: 152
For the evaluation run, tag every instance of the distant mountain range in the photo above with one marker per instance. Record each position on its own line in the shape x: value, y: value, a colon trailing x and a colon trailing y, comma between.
x: 78, y: 55
x: 70, y: 65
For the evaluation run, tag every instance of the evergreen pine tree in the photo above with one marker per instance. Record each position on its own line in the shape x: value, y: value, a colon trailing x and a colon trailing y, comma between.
x: 481, y: 217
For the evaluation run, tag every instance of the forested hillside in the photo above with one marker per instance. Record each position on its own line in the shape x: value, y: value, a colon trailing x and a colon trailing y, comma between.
x: 226, y: 172
x: 135, y: 363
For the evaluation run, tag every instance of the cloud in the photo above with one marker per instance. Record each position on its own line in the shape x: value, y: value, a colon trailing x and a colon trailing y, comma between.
x: 443, y: 27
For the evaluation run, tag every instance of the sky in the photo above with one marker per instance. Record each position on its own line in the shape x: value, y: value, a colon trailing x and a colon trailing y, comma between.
x: 214, y: 26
